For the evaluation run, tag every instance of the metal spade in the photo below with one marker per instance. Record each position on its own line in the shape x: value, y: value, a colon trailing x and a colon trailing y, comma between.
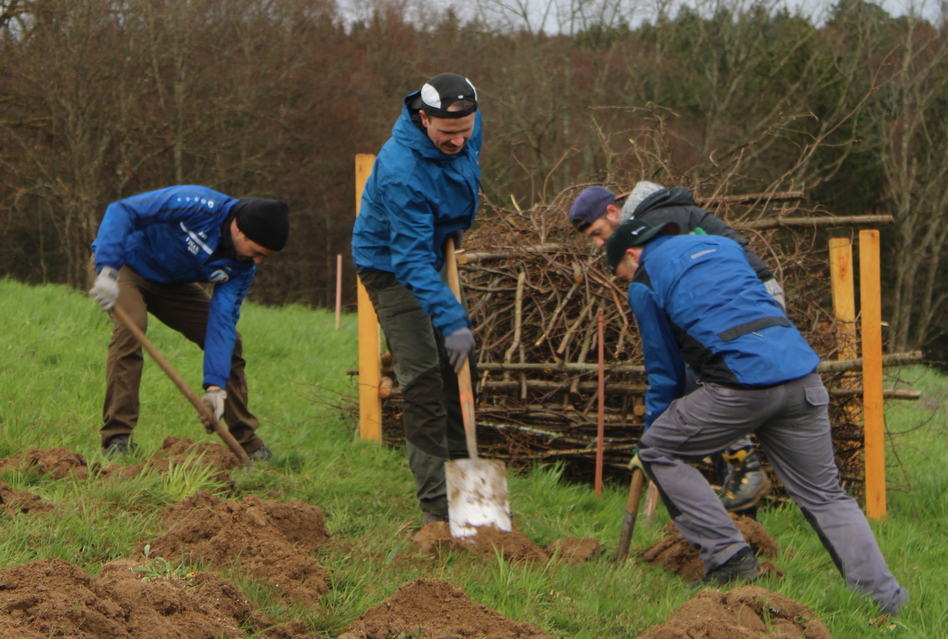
x: 477, y: 488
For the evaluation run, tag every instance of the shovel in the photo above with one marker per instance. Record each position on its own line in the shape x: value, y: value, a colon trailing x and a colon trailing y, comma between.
x: 204, y: 411
x: 631, y: 513
x: 477, y: 488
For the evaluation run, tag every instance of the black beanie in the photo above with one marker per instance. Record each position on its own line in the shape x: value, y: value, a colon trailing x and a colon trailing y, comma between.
x: 266, y: 222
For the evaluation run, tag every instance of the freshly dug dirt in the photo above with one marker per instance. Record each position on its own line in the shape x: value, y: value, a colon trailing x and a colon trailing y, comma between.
x: 574, y: 550
x: 674, y: 553
x: 435, y: 609
x: 58, y: 463
x: 748, y: 612
x: 514, y: 545
x: 14, y: 502
x: 177, y: 451
x: 53, y: 598
x: 270, y: 540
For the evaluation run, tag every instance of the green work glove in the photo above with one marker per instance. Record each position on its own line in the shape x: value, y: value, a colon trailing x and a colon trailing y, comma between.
x: 635, y: 462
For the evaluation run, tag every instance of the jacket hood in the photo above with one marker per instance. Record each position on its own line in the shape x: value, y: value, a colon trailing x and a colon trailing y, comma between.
x: 675, y: 196
x: 413, y: 136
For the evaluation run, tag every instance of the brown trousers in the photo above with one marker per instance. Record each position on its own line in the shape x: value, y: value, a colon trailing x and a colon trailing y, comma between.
x: 185, y: 308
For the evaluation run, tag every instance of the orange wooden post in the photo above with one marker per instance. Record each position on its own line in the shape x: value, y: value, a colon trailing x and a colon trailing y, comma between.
x: 870, y: 297
x: 844, y: 296
x: 370, y: 404
x: 338, y: 288
x: 601, y: 423
x: 844, y: 311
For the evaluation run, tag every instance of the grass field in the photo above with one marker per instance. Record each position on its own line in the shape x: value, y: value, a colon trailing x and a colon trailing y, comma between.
x: 52, y: 352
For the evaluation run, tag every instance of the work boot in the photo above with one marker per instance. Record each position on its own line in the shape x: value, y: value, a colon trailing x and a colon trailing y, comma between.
x: 741, y: 567
x: 430, y: 518
x: 118, y: 445
x: 746, y: 482
x: 261, y: 454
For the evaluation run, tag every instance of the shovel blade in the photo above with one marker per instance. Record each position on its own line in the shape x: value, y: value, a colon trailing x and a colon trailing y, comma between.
x: 477, y: 496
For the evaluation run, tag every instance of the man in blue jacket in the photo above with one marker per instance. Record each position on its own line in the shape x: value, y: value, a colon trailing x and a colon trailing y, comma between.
x: 595, y: 212
x: 697, y: 302
x: 150, y: 252
x: 423, y: 190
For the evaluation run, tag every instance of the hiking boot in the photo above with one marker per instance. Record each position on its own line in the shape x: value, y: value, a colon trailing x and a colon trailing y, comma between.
x: 261, y: 454
x: 430, y: 518
x: 741, y: 567
x: 746, y: 482
x: 118, y: 445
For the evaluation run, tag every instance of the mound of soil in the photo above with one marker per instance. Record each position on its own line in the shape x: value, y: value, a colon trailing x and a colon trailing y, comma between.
x: 270, y: 540
x: 58, y: 463
x: 15, y: 502
x: 436, y: 609
x: 177, y: 451
x: 748, y: 612
x: 674, y: 553
x: 53, y: 598
x: 514, y: 545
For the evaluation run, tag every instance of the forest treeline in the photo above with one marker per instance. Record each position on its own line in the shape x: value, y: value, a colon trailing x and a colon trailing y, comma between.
x: 101, y: 99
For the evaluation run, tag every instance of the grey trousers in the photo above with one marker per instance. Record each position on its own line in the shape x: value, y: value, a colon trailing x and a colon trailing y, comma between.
x: 792, y: 424
x: 434, y: 430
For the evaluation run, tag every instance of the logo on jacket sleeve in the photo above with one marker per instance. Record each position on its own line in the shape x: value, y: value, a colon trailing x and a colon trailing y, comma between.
x: 219, y: 276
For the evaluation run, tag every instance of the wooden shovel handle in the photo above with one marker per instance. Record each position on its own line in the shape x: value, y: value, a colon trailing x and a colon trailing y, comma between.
x: 204, y: 411
x: 465, y: 389
x: 631, y: 512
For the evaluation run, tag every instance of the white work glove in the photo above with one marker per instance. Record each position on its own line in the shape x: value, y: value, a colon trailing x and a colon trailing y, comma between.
x: 105, y: 289
x: 459, y: 345
x: 215, y: 398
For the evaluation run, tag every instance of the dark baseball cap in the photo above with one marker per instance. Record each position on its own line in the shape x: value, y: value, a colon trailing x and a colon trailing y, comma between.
x: 589, y: 206
x: 446, y: 89
x: 630, y: 233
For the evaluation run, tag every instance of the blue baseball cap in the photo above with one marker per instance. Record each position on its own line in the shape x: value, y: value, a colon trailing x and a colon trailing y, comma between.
x: 589, y: 206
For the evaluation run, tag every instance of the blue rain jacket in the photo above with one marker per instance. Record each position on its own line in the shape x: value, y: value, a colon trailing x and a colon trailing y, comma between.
x: 169, y: 236
x: 415, y: 198
x: 697, y: 301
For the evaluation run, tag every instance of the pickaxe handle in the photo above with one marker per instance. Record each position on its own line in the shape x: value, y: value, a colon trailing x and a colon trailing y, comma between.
x: 631, y: 512
x: 204, y: 412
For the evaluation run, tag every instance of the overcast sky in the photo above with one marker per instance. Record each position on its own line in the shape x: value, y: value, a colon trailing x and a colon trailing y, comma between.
x: 553, y: 15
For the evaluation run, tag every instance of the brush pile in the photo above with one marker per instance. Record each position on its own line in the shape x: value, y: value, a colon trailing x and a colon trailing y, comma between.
x: 536, y: 290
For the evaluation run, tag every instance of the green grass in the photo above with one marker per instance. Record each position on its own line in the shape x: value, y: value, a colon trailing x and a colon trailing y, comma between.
x: 52, y: 346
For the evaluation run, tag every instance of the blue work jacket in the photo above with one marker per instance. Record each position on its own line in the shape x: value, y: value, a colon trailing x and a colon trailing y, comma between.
x: 169, y: 236
x: 415, y: 198
x: 697, y: 301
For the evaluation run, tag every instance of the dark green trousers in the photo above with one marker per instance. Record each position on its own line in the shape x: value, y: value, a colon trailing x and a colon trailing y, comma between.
x: 434, y: 430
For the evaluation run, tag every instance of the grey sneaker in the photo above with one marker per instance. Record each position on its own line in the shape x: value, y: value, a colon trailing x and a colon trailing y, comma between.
x: 746, y: 482
x: 261, y: 454
x: 118, y: 445
x: 741, y: 567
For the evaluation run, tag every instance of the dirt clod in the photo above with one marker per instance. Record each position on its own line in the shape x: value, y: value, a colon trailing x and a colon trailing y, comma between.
x: 270, y: 540
x: 57, y: 463
x: 14, y: 502
x: 513, y: 546
x: 436, y: 609
x: 675, y: 554
x: 52, y: 598
x: 748, y: 612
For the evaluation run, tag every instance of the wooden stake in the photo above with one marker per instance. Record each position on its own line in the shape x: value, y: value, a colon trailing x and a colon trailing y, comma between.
x: 601, y: 425
x: 870, y: 297
x: 370, y: 404
x: 338, y: 288
x: 844, y: 311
